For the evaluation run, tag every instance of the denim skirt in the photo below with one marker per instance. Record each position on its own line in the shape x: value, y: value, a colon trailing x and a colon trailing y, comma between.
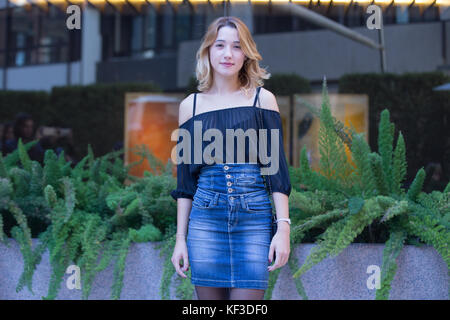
x: 229, y: 227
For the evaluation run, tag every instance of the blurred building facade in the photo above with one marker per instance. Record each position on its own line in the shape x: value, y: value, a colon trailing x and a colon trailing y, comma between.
x: 121, y: 41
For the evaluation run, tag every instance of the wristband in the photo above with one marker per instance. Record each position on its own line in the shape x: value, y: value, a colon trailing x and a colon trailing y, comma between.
x: 285, y: 219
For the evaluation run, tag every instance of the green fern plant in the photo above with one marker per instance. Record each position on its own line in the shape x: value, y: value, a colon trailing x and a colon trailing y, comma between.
x: 366, y: 196
x: 90, y: 216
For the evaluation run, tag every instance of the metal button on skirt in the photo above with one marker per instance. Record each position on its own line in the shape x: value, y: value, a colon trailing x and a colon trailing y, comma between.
x: 229, y: 228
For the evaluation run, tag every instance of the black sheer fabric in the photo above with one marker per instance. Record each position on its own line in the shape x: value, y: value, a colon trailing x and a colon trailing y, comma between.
x: 244, y: 117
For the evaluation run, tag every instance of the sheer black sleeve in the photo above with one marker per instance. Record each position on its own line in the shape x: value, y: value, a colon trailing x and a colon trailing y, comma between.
x: 186, y: 181
x: 280, y: 181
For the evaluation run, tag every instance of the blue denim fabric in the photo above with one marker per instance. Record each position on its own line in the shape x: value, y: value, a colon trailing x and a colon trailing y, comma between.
x: 229, y: 228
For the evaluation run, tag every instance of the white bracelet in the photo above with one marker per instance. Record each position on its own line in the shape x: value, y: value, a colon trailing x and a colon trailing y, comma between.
x: 285, y: 219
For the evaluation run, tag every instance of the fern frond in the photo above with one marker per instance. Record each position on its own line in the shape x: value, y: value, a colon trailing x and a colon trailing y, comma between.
x: 399, y: 208
x: 323, y: 246
x: 3, y: 170
x: 119, y: 268
x: 416, y: 185
x: 52, y: 171
x: 379, y: 176
x: 307, y: 202
x: 385, y: 142
x: 318, y: 220
x: 27, y: 253
x: 356, y: 224
x: 23, y: 155
x: 399, y: 165
x: 333, y: 159
x: 391, y: 250
x: 360, y: 153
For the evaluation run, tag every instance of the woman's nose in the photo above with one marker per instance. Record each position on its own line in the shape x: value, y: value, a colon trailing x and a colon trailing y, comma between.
x: 227, y: 52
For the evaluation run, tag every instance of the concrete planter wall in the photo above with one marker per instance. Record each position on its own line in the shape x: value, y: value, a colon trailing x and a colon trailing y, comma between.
x: 421, y: 274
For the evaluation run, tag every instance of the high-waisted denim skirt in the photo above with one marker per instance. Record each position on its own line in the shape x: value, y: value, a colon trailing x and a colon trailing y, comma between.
x: 229, y: 228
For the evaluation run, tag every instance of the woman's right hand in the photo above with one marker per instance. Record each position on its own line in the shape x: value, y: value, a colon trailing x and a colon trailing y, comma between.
x: 180, y: 252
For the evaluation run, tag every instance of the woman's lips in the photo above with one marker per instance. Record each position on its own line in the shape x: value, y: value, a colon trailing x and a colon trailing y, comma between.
x: 227, y: 64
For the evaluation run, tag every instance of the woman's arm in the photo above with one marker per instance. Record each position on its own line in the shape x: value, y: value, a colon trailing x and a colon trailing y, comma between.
x: 183, y: 195
x: 180, y: 251
x: 281, y: 201
x: 281, y: 187
x: 184, y: 206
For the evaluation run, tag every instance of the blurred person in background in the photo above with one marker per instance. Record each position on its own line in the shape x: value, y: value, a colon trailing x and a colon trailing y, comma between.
x: 434, y: 179
x: 118, y: 145
x: 65, y: 143
x: 7, y: 134
x: 24, y: 128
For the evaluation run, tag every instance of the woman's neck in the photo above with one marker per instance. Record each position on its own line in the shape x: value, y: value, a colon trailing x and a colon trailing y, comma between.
x: 224, y: 86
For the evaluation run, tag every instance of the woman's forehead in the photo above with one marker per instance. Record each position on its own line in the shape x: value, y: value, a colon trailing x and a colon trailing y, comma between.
x: 227, y: 34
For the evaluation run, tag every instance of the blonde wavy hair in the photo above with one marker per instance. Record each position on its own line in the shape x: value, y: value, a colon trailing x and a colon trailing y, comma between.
x: 251, y: 74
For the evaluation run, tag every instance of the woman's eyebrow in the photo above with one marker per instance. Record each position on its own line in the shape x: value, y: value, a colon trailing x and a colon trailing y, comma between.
x: 224, y: 41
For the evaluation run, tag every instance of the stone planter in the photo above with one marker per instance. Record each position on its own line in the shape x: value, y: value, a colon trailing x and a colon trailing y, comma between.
x: 421, y: 274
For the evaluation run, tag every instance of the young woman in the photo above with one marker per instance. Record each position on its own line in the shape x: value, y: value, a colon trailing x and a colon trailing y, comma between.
x: 223, y: 209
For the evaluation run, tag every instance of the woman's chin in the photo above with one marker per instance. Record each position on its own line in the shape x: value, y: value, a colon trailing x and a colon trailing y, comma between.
x: 226, y: 74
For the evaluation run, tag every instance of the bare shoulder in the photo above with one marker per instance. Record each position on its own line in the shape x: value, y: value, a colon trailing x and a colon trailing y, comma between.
x: 268, y: 100
x: 186, y: 109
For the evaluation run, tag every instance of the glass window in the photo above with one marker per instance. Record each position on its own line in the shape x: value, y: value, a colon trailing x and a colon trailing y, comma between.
x: 431, y: 13
x: 198, y: 26
x: 402, y: 14
x: 53, y: 30
x: 389, y: 14
x: 260, y: 13
x: 336, y: 13
x: 136, y: 33
x: 183, y: 23
x: 279, y: 21
x: 414, y: 14
x: 53, y: 54
x: 167, y: 26
x: 24, y: 28
x: 355, y: 15
x: 444, y: 12
x: 2, y: 29
x: 212, y: 13
x: 18, y: 58
x: 38, y: 37
x: 150, y: 28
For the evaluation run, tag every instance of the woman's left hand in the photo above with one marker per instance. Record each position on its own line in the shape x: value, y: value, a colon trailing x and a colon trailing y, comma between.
x: 281, y: 246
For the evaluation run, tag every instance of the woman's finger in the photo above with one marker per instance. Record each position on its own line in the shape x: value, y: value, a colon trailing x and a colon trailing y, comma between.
x: 176, y: 264
x: 271, y: 251
x: 185, y: 263
x: 277, y: 263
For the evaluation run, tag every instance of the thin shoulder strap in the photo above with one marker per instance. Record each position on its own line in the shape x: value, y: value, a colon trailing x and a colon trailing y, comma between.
x: 195, y: 101
x: 256, y: 96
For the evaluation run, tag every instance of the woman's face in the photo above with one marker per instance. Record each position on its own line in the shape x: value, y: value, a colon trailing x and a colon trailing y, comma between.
x: 225, y: 54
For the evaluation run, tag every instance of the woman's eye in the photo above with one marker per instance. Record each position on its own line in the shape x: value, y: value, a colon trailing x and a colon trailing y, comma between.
x: 238, y: 47
x: 218, y: 45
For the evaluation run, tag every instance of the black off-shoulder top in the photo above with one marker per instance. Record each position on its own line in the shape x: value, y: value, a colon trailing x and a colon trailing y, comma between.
x: 241, y: 117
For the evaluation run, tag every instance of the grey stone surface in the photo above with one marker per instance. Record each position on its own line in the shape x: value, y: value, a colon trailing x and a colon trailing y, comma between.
x: 422, y: 274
